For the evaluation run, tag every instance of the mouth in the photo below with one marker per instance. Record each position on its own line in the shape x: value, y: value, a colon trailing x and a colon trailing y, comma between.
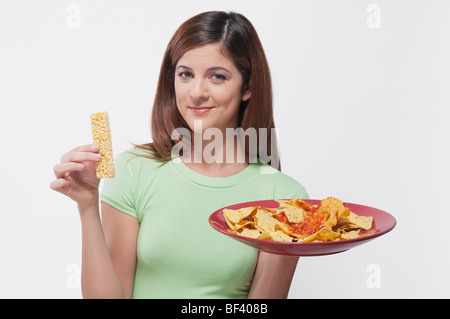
x: 200, y: 109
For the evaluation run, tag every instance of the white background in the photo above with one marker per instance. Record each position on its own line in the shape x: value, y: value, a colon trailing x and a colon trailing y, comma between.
x: 362, y: 103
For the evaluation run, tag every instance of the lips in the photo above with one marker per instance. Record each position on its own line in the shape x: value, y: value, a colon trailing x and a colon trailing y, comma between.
x: 200, y: 109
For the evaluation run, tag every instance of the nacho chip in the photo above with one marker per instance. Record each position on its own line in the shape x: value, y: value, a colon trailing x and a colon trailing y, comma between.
x: 279, y: 235
x: 350, y: 235
x: 243, y: 224
x: 336, y: 206
x: 298, y: 221
x: 344, y: 225
x: 265, y: 236
x: 328, y: 214
x: 365, y: 222
x: 324, y: 234
x: 229, y: 223
x: 265, y: 221
x: 252, y: 233
x: 293, y: 214
x: 237, y: 215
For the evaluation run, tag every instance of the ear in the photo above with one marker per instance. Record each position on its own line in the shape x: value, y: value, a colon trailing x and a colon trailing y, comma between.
x: 246, y: 94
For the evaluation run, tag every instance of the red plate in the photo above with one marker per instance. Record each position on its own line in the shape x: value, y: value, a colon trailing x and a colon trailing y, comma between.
x: 383, y: 223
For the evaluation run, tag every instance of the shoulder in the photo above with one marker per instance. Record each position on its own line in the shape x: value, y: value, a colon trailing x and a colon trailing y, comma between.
x: 134, y: 171
x: 133, y: 164
x: 136, y: 158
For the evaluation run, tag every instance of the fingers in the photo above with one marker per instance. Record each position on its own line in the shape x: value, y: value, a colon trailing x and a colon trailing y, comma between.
x: 80, y: 157
x: 82, y: 153
x: 76, y: 159
x: 59, y: 184
x: 87, y: 148
x: 61, y: 170
x: 75, y: 174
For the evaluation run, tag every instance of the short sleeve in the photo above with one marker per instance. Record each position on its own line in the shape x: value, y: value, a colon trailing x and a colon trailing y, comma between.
x: 300, y: 192
x: 119, y: 191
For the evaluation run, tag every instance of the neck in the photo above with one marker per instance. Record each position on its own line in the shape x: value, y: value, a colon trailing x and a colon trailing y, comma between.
x: 216, y: 157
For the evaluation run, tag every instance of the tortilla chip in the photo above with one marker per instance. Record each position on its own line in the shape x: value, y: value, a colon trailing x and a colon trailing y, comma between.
x: 324, y: 234
x: 330, y: 220
x: 365, y: 222
x: 229, y: 223
x: 279, y: 235
x: 302, y: 204
x: 329, y: 216
x: 237, y: 215
x: 293, y: 214
x: 265, y: 221
x: 350, y: 235
x: 265, y: 236
x: 252, y: 233
x: 344, y: 225
x: 287, y: 230
x: 336, y: 206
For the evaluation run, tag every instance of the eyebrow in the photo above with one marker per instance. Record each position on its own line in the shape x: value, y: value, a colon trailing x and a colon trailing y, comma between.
x: 214, y: 68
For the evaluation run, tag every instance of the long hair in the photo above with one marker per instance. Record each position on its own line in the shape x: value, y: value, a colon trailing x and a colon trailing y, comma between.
x: 240, y: 42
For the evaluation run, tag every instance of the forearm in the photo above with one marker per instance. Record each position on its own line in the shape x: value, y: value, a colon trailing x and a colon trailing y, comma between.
x: 273, y: 277
x: 98, y: 276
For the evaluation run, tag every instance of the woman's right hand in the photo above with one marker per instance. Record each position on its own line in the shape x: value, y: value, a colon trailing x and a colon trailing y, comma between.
x: 76, y: 176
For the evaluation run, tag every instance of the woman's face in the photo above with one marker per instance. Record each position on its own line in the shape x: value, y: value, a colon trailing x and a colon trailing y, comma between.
x: 208, y: 87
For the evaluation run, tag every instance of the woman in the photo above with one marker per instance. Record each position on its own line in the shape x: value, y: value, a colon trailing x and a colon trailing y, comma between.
x: 153, y: 239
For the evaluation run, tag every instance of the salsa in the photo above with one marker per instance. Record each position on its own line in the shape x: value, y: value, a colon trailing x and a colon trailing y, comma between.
x: 311, y: 223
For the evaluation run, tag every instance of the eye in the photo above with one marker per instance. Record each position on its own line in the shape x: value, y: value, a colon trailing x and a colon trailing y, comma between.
x: 218, y: 77
x: 185, y: 75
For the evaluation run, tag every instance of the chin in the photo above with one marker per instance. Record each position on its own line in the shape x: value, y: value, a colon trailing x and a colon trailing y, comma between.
x: 199, y: 125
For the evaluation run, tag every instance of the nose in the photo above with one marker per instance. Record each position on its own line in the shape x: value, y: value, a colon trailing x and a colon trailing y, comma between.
x: 199, y: 90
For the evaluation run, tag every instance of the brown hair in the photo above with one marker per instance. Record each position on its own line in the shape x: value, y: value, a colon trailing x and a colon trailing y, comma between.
x: 241, y: 44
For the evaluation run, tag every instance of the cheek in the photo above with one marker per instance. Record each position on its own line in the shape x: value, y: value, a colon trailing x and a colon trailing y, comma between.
x: 178, y: 91
x: 227, y: 96
x: 181, y: 97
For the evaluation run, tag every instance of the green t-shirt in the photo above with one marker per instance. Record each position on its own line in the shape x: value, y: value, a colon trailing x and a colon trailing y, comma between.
x: 179, y: 255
